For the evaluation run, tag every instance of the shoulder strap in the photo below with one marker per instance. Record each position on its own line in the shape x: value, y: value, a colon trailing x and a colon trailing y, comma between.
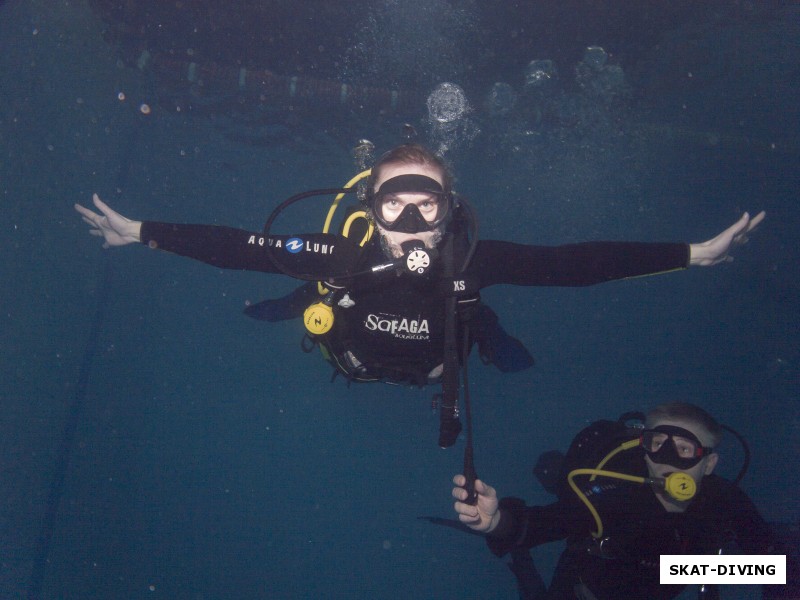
x: 449, y: 423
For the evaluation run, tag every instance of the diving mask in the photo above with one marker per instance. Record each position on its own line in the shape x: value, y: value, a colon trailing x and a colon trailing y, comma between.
x: 673, y: 446
x: 430, y: 208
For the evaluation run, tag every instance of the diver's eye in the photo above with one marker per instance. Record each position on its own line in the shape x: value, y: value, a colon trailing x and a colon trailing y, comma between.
x: 390, y: 208
x: 685, y: 448
x: 428, y: 211
x: 656, y: 441
x: 429, y: 207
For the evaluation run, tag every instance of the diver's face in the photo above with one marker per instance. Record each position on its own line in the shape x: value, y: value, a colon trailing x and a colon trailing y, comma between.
x: 394, y: 204
x: 683, y: 447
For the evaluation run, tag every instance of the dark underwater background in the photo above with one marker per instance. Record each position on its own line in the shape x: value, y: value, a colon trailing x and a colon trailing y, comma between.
x: 157, y: 443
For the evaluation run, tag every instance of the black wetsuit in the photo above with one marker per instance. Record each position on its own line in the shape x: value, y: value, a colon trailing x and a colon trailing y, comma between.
x: 395, y: 328
x: 638, y: 531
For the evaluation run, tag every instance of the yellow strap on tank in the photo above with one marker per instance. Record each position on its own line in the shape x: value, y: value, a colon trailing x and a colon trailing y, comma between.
x: 349, y: 222
x: 338, y: 198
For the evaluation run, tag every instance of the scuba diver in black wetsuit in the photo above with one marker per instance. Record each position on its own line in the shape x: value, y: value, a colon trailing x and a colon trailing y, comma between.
x: 615, y: 530
x: 397, y: 304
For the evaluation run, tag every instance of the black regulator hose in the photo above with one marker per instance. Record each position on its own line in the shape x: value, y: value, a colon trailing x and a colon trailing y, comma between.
x: 283, y: 206
x: 746, y: 448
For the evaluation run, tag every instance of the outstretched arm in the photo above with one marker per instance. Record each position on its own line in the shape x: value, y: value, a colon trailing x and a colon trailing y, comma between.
x: 115, y: 229
x: 717, y: 250
x: 484, y: 515
x: 316, y: 255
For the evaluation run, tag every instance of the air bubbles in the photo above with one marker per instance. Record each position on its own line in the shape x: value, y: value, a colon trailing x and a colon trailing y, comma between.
x: 447, y: 103
x: 598, y: 79
x: 540, y: 72
x: 364, y: 154
x: 595, y: 57
x: 448, y: 117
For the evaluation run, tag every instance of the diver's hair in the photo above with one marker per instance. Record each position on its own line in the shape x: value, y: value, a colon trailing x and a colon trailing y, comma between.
x: 684, y: 411
x: 408, y: 154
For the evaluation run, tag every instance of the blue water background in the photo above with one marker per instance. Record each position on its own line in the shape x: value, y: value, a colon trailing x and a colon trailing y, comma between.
x: 213, y: 459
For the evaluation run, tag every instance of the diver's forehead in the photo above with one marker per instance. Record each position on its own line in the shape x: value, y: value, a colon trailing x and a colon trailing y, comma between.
x: 396, y: 169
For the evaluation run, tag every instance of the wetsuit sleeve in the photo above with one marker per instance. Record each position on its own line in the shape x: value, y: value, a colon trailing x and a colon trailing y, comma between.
x: 523, y: 526
x: 228, y: 248
x: 498, y: 262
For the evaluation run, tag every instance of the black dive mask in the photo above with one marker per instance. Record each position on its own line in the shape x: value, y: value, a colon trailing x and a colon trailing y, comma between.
x: 673, y: 446
x: 411, y: 219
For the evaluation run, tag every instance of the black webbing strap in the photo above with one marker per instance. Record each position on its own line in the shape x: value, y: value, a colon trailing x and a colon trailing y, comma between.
x: 449, y: 423
x: 470, y: 475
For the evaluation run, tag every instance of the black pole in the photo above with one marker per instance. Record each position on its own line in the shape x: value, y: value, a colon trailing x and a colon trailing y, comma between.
x: 43, y: 542
x: 41, y: 552
x: 470, y: 475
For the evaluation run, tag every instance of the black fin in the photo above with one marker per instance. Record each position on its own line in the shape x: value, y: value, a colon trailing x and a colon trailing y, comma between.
x: 495, y: 345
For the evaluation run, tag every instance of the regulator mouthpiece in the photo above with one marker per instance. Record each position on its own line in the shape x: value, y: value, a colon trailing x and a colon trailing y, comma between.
x: 679, y: 486
x: 417, y: 258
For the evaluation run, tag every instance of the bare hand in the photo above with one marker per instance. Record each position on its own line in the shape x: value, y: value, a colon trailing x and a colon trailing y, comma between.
x: 717, y: 250
x: 484, y: 515
x: 115, y: 229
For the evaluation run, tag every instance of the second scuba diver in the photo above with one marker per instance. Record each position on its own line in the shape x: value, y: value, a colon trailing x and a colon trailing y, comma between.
x: 657, y: 495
